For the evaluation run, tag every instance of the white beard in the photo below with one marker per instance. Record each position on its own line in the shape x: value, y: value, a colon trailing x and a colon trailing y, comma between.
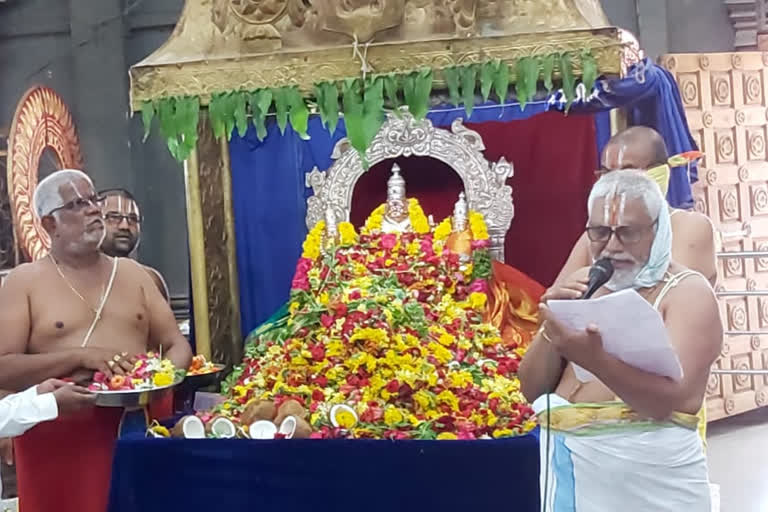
x: 623, y: 279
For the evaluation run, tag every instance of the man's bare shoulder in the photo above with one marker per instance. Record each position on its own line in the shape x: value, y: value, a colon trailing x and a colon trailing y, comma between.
x: 693, y: 226
x: 693, y: 296
x: 25, y: 273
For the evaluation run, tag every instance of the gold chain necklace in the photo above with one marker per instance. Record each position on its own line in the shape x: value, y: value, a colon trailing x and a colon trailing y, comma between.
x: 74, y: 290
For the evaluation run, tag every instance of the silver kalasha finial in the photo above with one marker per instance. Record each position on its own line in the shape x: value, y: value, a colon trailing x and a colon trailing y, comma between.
x: 460, y: 214
x: 396, y: 185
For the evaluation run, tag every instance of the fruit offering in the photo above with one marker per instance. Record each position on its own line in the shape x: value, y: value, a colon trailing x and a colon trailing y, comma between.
x: 149, y: 372
x: 201, y: 366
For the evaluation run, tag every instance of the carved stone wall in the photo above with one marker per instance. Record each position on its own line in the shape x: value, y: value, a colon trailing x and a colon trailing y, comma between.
x: 726, y: 101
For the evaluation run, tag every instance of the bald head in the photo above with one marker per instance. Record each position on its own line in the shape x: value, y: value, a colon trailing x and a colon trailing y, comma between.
x: 638, y: 147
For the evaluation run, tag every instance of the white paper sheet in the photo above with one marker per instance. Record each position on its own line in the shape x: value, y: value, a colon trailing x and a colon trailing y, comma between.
x: 632, y: 331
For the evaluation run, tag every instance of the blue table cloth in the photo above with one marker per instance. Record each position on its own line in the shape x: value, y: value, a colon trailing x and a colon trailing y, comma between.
x: 326, y: 475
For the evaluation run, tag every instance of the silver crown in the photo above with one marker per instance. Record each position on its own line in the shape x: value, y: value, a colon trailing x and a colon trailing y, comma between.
x: 396, y: 184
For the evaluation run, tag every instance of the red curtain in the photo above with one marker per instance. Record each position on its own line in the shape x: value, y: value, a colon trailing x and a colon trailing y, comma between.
x: 554, y: 156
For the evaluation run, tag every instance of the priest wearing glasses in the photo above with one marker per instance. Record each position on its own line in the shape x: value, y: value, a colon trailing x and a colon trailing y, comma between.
x: 66, y: 316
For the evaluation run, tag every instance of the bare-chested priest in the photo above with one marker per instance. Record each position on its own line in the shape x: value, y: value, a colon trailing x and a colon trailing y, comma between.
x: 626, y: 439
x: 65, y: 316
x: 693, y: 245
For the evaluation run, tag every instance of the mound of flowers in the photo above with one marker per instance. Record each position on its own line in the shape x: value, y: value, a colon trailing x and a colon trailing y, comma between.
x: 385, y: 338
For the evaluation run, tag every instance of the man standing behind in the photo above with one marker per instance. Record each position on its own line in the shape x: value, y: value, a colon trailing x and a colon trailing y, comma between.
x: 642, y: 453
x: 122, y: 219
x: 693, y: 245
x: 65, y: 316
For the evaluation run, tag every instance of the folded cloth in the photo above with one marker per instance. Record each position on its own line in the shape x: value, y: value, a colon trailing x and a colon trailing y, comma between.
x: 605, y: 457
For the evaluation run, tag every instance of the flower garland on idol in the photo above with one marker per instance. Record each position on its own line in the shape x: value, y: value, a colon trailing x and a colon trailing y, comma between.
x: 385, y: 339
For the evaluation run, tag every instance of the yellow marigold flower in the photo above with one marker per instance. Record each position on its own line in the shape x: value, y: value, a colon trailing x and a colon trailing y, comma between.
x: 347, y: 234
x: 334, y: 348
x: 446, y: 436
x: 373, y: 223
x: 311, y: 245
x: 433, y: 415
x: 386, y: 395
x: 443, y: 230
x: 413, y: 420
x: 423, y: 399
x: 324, y: 298
x: 446, y: 339
x: 478, y: 226
x: 459, y: 379
x: 529, y: 425
x: 419, y: 221
x: 492, y: 419
x: 316, y: 418
x: 293, y: 307
x: 502, y: 432
x: 477, y: 300
x: 441, y: 353
x: 240, y: 391
x: 379, y: 336
x: 448, y: 398
x: 414, y: 249
x: 162, y: 379
x: 345, y: 419
x: 393, y: 416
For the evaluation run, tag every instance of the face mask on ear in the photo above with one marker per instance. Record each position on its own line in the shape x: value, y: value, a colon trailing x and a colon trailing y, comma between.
x: 661, y: 176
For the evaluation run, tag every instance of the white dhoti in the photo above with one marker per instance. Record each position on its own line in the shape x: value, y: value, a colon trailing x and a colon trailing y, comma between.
x: 604, y: 458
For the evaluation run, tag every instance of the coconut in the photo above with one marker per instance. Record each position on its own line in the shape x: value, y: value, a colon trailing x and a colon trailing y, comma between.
x: 290, y: 408
x: 189, y: 427
x: 258, y: 410
x: 342, y: 408
x: 287, y: 427
x: 262, y: 429
x: 221, y: 428
x: 303, y: 430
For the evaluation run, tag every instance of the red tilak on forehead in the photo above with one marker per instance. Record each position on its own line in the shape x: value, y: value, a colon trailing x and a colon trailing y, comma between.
x: 614, y: 208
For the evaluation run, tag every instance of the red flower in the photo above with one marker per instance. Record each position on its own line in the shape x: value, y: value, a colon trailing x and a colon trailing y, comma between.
x: 317, y: 396
x: 355, y: 295
x: 318, y: 352
x: 326, y: 320
x: 388, y: 241
x: 480, y: 244
x: 321, y: 381
x: 340, y: 309
x: 393, y: 386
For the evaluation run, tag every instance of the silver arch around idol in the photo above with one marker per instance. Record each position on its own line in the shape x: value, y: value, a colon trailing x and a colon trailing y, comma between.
x: 460, y: 148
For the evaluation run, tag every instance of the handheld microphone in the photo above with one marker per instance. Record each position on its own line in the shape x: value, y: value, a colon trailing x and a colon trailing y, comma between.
x: 599, y: 274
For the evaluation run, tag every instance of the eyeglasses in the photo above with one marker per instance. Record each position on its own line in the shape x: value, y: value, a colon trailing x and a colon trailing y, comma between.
x: 117, y: 218
x: 627, y: 235
x: 79, y: 203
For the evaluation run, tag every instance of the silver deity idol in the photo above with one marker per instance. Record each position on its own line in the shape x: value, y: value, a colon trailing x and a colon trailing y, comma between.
x: 460, y: 214
x: 396, y: 219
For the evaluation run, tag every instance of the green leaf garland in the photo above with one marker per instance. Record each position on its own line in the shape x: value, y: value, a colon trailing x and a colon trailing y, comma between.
x: 468, y: 77
x: 487, y: 73
x: 569, y: 81
x: 259, y: 103
x: 363, y: 101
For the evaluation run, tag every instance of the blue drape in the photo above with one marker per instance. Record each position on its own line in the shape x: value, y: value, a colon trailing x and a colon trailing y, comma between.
x: 269, y: 200
x: 652, y: 97
x: 289, y: 476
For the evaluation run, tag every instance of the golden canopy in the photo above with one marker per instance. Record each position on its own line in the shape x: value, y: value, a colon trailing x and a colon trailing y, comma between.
x: 225, y: 45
